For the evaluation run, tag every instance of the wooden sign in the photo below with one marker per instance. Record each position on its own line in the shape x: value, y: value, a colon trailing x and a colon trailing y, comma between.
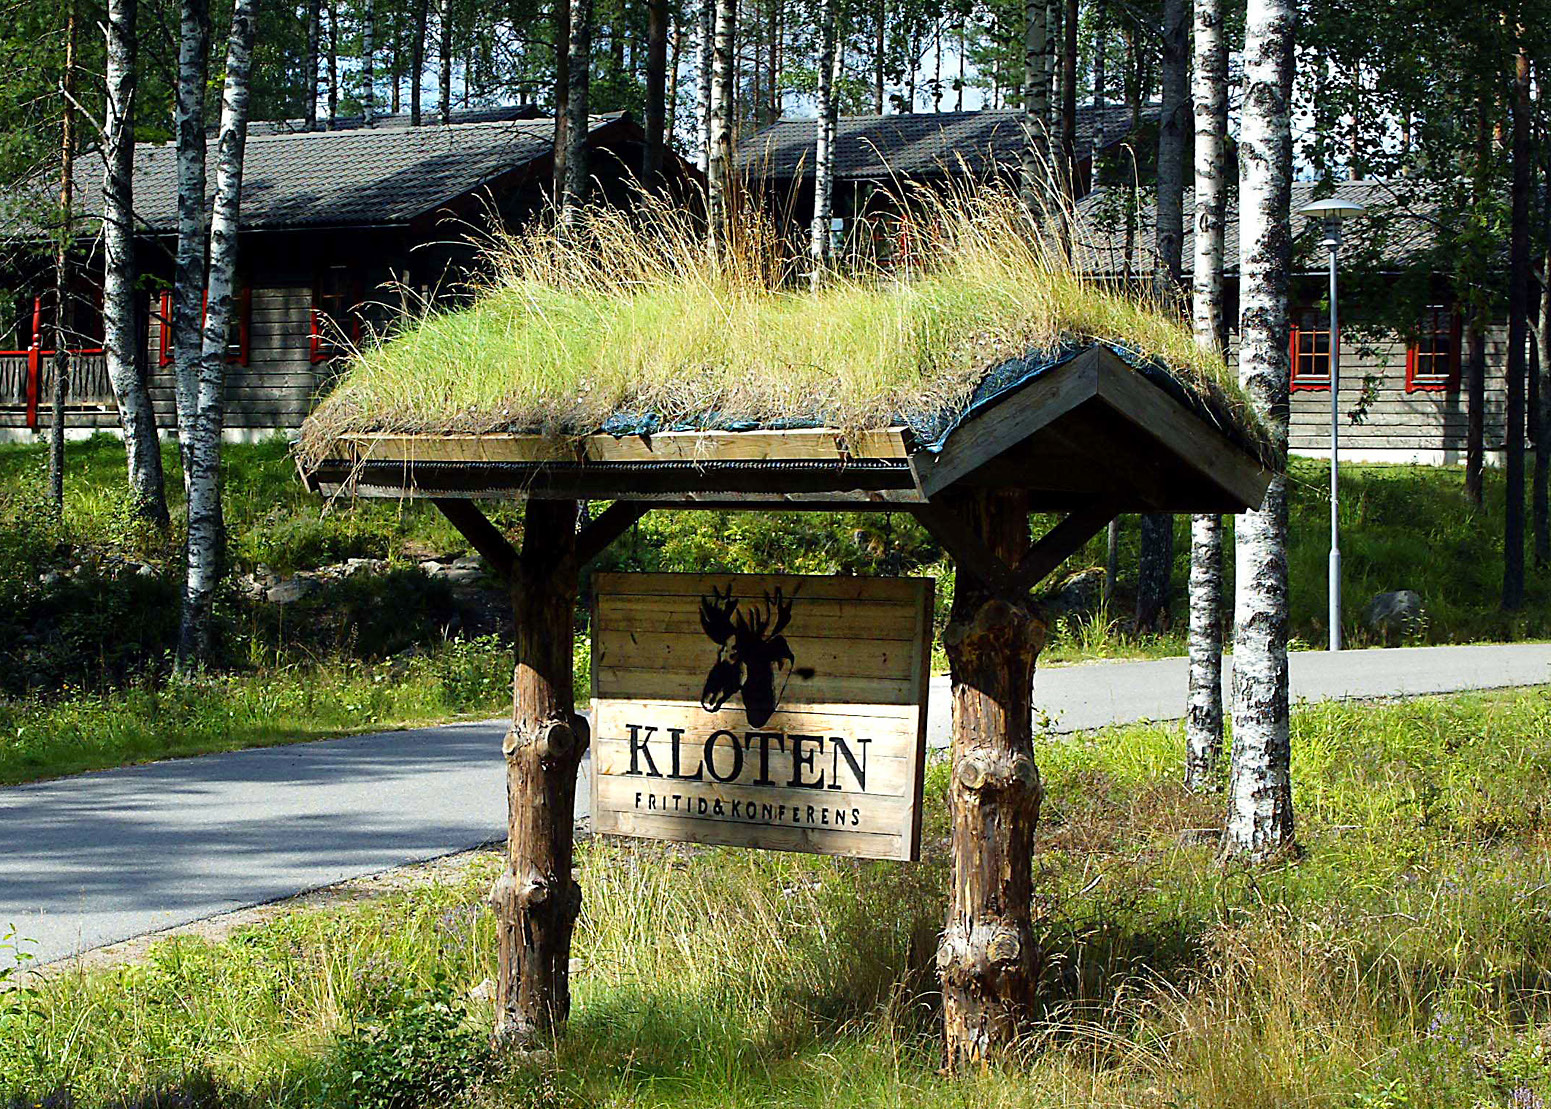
x: 770, y: 711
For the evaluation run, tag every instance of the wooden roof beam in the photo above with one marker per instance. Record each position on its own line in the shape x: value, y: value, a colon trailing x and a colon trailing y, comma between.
x: 970, y: 551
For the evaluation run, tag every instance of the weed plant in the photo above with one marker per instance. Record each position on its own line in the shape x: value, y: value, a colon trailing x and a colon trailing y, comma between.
x: 1403, y: 960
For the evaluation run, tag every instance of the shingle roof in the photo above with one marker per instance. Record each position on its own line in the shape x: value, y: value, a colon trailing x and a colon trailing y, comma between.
x: 383, y: 122
x: 919, y: 144
x: 356, y: 177
x: 1398, y: 226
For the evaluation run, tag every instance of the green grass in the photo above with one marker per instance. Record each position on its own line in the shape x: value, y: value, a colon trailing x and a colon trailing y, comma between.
x: 635, y: 313
x: 267, y: 706
x: 1404, y: 960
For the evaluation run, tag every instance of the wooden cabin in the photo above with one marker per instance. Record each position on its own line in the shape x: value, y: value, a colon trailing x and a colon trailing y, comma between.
x: 341, y: 229
x: 879, y: 159
x: 1401, y: 388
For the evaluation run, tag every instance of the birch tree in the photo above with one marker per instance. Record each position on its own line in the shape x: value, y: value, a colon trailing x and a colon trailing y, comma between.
x: 579, y: 69
x: 1155, y: 571
x: 205, y: 530
x: 824, y: 147
x: 368, y: 63
x: 56, y: 431
x: 1204, y: 712
x: 719, y: 174
x: 1036, y: 104
x: 656, y: 88
x: 188, y: 284
x: 310, y: 65
x: 123, y: 351
x: 703, y: 71
x: 1260, y: 815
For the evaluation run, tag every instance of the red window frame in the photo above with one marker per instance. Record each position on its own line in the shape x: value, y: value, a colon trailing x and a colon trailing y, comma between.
x: 244, y: 305
x: 1439, y: 320
x: 1303, y: 349
x: 324, y: 343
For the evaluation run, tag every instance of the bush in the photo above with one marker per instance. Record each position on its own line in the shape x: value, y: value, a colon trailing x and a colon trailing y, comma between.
x: 416, y: 1049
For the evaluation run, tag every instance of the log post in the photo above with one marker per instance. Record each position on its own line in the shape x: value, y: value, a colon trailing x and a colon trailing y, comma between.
x: 536, y: 900
x: 987, y: 962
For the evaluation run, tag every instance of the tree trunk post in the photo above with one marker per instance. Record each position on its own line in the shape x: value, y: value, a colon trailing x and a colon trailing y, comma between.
x: 987, y: 961
x: 536, y: 900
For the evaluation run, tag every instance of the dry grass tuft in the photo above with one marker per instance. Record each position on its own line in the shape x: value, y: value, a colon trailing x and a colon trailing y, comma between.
x: 632, y: 311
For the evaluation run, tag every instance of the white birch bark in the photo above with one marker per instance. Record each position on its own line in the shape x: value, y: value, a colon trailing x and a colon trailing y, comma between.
x: 719, y: 172
x: 188, y: 284
x: 368, y: 62
x: 824, y: 147
x: 1035, y: 169
x: 578, y: 74
x: 205, y: 523
x: 703, y: 69
x: 1204, y: 708
x: 1260, y: 815
x: 123, y: 350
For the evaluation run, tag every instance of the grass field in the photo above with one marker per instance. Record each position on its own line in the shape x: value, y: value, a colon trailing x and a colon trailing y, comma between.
x: 1403, y: 960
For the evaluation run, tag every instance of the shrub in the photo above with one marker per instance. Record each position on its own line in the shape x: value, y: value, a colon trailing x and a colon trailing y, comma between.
x: 416, y: 1049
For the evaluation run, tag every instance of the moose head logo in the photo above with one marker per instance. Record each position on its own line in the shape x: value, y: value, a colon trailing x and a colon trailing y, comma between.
x: 751, y: 653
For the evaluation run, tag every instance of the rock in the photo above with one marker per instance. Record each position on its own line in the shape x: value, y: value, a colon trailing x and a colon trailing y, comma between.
x: 1079, y: 593
x: 362, y: 565
x: 145, y: 570
x: 468, y: 562
x: 50, y: 577
x: 431, y: 568
x: 485, y: 991
x: 1394, y: 615
x: 292, y: 590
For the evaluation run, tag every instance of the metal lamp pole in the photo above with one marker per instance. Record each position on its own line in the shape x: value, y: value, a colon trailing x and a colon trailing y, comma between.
x: 1332, y: 211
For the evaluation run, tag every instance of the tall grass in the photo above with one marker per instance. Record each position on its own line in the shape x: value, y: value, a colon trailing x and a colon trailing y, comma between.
x: 1404, y: 960
x: 633, y: 311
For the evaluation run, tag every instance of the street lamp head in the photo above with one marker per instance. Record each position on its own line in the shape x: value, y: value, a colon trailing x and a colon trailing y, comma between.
x: 1332, y: 207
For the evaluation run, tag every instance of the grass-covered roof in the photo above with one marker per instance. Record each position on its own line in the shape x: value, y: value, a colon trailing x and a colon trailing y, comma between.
x: 628, y: 318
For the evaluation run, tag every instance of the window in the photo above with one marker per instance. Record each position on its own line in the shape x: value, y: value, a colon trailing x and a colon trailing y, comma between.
x: 1432, y: 360
x: 236, y: 327
x: 335, y: 324
x: 1310, y: 350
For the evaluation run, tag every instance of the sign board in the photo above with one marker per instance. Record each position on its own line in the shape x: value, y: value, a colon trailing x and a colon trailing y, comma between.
x: 770, y: 711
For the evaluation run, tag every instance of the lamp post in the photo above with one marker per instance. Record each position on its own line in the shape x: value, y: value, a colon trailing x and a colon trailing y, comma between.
x: 1333, y: 210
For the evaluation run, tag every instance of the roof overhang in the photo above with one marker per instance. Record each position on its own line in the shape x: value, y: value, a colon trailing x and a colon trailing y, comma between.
x: 1088, y: 431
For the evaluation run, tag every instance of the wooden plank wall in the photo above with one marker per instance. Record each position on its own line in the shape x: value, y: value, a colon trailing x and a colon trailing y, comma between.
x: 1396, y: 420
x: 273, y: 391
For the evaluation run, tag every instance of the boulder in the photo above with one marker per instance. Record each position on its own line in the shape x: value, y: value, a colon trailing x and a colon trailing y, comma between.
x: 1392, y: 616
x: 1079, y: 593
x: 292, y: 590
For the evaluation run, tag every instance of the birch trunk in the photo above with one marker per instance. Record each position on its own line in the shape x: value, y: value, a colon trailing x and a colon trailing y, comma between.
x: 56, y: 430
x: 1035, y: 166
x: 656, y: 89
x: 1260, y: 816
x: 368, y: 62
x: 987, y: 960
x: 703, y: 71
x: 1518, y: 339
x: 123, y: 351
x: 1204, y: 709
x: 310, y: 64
x: 824, y: 147
x: 188, y: 283
x: 1542, y: 480
x: 719, y: 174
x: 562, y: 32
x: 417, y: 57
x: 444, y: 60
x: 578, y: 72
x: 205, y: 525
x: 536, y: 899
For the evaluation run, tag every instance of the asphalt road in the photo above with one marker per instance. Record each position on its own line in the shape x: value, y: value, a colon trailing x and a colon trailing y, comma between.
x: 98, y: 858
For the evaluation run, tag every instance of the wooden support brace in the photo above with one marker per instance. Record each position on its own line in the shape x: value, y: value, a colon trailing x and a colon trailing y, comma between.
x: 611, y: 523
x: 482, y: 535
x: 1062, y: 542
x: 972, y: 552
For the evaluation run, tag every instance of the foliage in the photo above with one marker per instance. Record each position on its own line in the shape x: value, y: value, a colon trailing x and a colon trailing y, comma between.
x: 414, y: 1047
x: 1401, y: 961
x: 635, y: 313
x: 266, y: 706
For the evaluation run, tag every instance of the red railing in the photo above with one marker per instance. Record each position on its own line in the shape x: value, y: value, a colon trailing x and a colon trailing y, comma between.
x: 32, y: 386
